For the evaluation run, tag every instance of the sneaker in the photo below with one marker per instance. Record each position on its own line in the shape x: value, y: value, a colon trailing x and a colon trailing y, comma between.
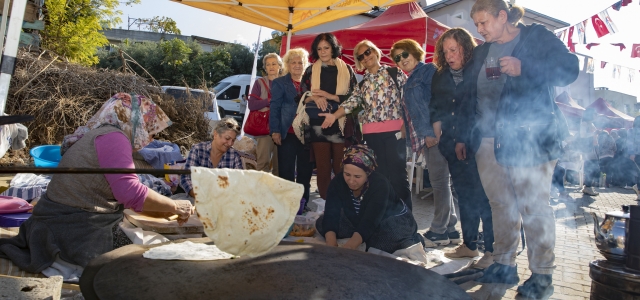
x: 461, y: 252
x: 454, y: 237
x: 589, y: 191
x: 499, y: 273
x: 441, y: 239
x: 484, y: 262
x: 627, y: 187
x: 538, y: 286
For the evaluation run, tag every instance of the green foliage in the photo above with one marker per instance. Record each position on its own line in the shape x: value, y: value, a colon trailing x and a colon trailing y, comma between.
x: 175, y: 51
x: 161, y: 24
x: 267, y: 47
x: 196, y: 68
x: 73, y: 27
x: 241, y: 58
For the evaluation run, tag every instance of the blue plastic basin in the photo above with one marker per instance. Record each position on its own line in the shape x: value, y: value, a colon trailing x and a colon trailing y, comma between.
x: 46, y: 156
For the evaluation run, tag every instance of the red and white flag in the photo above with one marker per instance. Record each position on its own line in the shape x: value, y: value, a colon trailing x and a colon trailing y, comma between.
x: 635, y: 51
x: 570, y: 43
x: 603, y: 24
x: 603, y: 64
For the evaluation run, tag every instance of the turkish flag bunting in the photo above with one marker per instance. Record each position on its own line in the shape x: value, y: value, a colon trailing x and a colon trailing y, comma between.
x: 621, y: 45
x: 635, y: 51
x: 591, y: 45
x: 599, y: 26
x: 570, y: 42
x: 603, y: 64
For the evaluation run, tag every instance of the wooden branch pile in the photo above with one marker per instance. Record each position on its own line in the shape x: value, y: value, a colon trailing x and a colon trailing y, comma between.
x: 62, y: 96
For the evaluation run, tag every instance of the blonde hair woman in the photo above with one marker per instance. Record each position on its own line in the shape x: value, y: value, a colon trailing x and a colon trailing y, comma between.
x: 260, y: 100
x: 293, y: 159
x: 518, y: 137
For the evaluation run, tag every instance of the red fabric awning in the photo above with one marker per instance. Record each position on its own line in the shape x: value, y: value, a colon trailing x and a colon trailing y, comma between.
x: 396, y: 23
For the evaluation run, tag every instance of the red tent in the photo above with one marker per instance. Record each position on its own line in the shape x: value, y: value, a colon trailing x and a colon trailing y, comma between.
x: 616, y: 118
x: 396, y: 23
x: 571, y: 110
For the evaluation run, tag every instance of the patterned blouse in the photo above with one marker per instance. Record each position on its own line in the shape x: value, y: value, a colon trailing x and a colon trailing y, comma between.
x: 379, y: 97
x: 200, y: 156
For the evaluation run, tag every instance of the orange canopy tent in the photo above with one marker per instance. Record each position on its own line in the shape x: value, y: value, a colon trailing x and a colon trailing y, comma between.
x: 396, y: 23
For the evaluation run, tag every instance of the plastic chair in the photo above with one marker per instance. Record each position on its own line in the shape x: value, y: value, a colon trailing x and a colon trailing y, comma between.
x: 410, y: 168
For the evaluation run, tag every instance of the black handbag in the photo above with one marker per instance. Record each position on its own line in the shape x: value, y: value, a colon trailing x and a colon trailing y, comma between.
x: 313, y: 110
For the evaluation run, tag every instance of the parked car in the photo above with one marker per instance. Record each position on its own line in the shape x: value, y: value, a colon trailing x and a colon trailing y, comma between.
x: 231, y: 94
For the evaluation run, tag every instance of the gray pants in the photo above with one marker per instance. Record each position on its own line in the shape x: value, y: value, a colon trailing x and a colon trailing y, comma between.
x: 445, y: 218
x: 519, y: 196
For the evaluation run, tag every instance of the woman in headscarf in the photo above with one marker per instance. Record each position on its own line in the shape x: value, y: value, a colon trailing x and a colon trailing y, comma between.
x: 363, y: 207
x: 331, y: 82
x: 516, y: 129
x: 293, y: 157
x: 453, y: 51
x: 77, y: 219
x: 379, y: 95
x: 260, y: 100
x: 217, y: 153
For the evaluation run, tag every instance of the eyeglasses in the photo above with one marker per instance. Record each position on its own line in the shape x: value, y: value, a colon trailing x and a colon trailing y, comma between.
x: 397, y: 58
x: 232, y: 126
x: 366, y: 53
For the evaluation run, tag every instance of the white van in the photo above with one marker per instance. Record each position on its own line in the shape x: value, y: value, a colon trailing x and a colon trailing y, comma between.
x: 231, y: 94
x: 181, y: 93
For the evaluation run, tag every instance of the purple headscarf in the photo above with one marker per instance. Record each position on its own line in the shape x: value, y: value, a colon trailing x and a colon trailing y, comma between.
x: 360, y: 156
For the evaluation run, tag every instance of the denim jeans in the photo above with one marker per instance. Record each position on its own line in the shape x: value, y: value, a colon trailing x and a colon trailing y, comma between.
x: 444, y: 218
x: 472, y: 202
x: 294, y: 158
x: 391, y: 156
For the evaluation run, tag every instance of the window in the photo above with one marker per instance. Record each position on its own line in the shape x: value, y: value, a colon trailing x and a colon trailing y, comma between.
x: 232, y: 92
x: 220, y: 86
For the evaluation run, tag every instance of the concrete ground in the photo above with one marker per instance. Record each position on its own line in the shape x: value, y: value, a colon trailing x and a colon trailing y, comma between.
x: 575, y: 245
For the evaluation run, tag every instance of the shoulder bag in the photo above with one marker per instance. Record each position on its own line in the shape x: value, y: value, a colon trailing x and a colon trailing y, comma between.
x: 258, y: 121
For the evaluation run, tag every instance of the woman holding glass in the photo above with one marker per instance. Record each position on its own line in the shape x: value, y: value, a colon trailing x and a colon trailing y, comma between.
x: 260, y: 100
x: 379, y: 95
x: 286, y: 91
x: 517, y: 130
x: 331, y: 82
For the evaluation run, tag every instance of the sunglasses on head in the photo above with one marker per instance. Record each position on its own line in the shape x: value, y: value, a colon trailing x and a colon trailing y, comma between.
x: 397, y: 58
x: 232, y: 126
x: 366, y: 53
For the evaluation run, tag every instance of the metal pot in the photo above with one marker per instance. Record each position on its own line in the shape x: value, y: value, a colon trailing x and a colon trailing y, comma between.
x: 610, y: 235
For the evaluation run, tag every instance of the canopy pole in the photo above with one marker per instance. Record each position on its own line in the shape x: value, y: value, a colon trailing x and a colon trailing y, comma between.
x: 11, y: 50
x: 289, y: 28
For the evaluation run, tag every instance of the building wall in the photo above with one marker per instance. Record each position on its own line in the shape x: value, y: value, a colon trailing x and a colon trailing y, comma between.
x: 622, y: 102
x: 116, y: 36
x: 582, y: 90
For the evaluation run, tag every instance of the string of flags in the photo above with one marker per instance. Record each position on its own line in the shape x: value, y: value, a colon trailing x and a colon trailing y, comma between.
x: 617, y: 71
x: 597, y: 26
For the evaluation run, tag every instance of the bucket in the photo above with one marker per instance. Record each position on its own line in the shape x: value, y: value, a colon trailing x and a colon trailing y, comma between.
x: 46, y: 156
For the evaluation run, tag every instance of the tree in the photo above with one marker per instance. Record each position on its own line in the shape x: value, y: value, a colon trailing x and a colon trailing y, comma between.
x: 161, y: 25
x: 267, y: 47
x: 73, y: 27
x: 241, y: 58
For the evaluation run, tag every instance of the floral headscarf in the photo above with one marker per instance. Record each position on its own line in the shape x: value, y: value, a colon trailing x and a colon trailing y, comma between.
x: 360, y: 156
x: 136, y: 115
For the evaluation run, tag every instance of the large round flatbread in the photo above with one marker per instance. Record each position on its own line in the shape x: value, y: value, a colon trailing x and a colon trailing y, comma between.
x: 245, y: 212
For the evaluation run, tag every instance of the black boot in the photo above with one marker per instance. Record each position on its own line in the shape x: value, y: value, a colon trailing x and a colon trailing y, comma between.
x: 538, y: 286
x: 499, y: 273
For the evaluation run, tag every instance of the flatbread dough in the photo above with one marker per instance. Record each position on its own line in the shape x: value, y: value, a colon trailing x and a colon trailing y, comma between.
x: 187, y: 251
x: 245, y: 212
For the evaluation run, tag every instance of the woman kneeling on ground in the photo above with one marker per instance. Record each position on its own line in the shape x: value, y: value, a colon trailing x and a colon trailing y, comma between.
x: 77, y: 219
x: 363, y: 207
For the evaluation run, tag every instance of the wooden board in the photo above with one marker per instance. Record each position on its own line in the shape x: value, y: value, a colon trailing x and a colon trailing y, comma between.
x: 162, y: 225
